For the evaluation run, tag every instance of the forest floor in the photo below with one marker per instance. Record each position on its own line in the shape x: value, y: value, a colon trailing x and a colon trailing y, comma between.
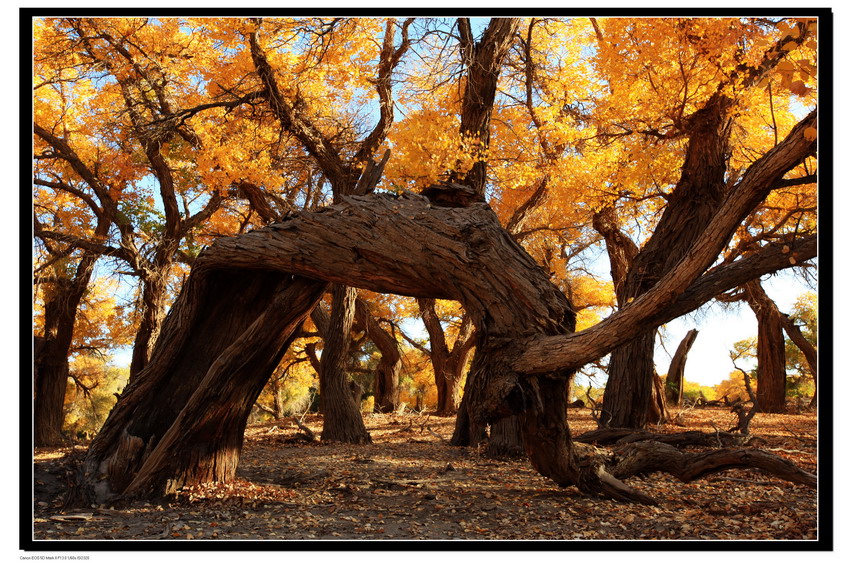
x: 410, y: 484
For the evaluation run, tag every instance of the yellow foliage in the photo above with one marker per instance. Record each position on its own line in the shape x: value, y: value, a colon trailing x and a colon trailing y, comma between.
x: 733, y: 387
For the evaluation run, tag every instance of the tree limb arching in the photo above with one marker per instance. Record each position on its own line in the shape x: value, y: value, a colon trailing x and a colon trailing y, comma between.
x: 526, y: 351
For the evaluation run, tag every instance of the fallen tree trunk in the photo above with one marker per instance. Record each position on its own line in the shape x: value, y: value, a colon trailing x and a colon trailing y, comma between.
x: 623, y: 435
x: 651, y: 456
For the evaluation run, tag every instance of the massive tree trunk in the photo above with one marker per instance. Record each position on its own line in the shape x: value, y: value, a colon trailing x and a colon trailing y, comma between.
x: 676, y: 373
x: 389, y: 366
x: 342, y: 419
x: 50, y: 364
x: 183, y: 418
x: 770, y: 377
x: 698, y: 194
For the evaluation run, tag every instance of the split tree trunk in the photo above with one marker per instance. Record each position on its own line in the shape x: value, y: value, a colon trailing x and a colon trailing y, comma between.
x: 448, y: 364
x: 810, y: 351
x: 389, y: 366
x: 182, y: 421
x: 690, y: 208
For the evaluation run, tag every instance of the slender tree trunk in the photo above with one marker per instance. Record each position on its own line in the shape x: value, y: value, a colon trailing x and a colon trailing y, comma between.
x: 342, y: 419
x: 483, y: 60
x: 389, y: 366
x: 810, y: 351
x: 448, y: 364
x: 771, y: 382
x: 152, y: 314
x: 52, y: 349
x: 676, y: 373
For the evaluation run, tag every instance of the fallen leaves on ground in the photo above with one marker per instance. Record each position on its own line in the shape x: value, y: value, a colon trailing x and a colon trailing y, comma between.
x: 411, y: 485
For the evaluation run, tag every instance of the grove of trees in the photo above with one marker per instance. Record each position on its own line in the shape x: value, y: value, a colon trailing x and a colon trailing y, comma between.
x: 247, y: 202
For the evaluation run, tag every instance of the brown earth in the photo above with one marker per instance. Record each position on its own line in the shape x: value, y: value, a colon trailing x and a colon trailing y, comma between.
x: 410, y: 484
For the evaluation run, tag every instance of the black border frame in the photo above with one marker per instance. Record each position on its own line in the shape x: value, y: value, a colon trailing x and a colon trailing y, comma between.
x: 826, y: 423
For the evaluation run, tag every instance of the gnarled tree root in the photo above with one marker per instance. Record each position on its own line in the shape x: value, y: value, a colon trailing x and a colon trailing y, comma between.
x: 651, y: 456
x: 618, y: 435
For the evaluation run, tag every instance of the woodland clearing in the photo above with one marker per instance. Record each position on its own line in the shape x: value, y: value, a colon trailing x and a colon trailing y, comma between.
x: 410, y: 484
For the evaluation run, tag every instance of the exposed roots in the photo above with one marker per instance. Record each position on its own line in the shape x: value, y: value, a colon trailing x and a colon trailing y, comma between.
x: 650, y: 456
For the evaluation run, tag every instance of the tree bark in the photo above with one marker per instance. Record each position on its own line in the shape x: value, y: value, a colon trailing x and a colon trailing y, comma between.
x: 810, y: 351
x: 689, y: 210
x: 448, y: 364
x: 676, y: 373
x: 770, y: 377
x: 649, y: 456
x: 153, y: 312
x: 342, y: 419
x: 389, y: 366
x: 50, y: 364
x: 483, y: 62
x: 506, y: 439
x: 183, y: 419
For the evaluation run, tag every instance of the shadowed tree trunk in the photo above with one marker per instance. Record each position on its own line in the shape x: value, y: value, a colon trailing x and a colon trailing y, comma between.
x: 448, y: 364
x: 152, y: 311
x: 52, y: 349
x: 342, y: 419
x: 629, y: 400
x: 389, y: 366
x: 182, y: 420
x: 676, y: 374
x: 770, y: 350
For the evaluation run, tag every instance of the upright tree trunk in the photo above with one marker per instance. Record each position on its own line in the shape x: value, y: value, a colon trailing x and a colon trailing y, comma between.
x: 342, y: 419
x: 628, y: 393
x: 467, y: 433
x: 52, y: 349
x: 389, y: 366
x: 483, y: 61
x: 51, y: 382
x: 770, y: 376
x: 506, y: 438
x: 810, y: 351
x: 698, y: 194
x: 152, y: 314
x: 448, y: 364
x: 676, y: 373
